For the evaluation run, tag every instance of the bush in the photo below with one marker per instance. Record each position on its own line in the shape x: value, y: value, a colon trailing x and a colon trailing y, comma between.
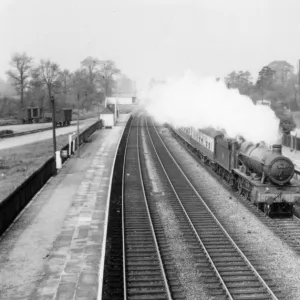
x: 5, y: 132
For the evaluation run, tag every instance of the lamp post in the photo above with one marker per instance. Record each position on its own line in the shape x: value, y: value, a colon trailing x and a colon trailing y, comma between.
x: 78, y: 150
x: 53, y: 123
x: 85, y: 94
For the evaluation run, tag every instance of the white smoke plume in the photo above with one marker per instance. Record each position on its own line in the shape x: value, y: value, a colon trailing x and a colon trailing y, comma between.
x: 204, y: 102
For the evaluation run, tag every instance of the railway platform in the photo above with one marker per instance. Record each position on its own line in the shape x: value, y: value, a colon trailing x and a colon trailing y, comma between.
x: 56, y: 247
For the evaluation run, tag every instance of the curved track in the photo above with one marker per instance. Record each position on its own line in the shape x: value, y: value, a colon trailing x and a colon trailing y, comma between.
x: 237, y: 276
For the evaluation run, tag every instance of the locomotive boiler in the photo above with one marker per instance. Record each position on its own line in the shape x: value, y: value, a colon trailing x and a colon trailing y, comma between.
x: 269, y: 164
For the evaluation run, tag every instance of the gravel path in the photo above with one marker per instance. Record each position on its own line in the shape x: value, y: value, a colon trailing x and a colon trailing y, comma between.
x: 274, y: 255
x: 188, y: 275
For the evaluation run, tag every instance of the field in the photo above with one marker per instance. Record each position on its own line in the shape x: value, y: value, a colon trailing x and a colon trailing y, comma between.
x: 18, y: 163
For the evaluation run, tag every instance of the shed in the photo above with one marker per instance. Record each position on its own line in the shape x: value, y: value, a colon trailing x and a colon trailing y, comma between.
x: 108, y: 117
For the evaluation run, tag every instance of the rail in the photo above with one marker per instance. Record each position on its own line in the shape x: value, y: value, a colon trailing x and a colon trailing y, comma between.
x: 138, y: 230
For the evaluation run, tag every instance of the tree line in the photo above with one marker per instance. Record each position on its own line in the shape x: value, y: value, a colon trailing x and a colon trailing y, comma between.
x: 276, y: 82
x: 87, y: 86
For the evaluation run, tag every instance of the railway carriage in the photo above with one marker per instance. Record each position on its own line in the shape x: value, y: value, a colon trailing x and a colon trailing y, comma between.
x: 202, y: 140
x: 262, y: 175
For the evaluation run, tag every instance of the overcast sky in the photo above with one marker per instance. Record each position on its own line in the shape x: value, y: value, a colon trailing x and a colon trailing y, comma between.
x: 153, y: 38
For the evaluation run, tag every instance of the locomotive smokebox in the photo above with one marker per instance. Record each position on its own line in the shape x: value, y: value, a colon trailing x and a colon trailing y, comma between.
x: 277, y: 148
x: 261, y: 160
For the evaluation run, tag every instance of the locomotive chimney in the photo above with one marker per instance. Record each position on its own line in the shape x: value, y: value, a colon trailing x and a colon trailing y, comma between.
x: 277, y: 149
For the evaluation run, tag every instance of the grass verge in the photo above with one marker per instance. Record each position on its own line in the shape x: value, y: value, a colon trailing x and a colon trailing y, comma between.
x: 18, y: 163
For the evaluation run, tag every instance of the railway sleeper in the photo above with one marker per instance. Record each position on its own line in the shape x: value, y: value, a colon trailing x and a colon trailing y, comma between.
x: 243, y: 284
x: 144, y: 284
x: 144, y: 276
x: 230, y: 264
x: 228, y: 259
x: 148, y: 264
x: 221, y: 250
x: 240, y: 278
x: 254, y: 291
x: 134, y: 251
x: 221, y: 254
x: 143, y: 258
x: 147, y: 297
x: 253, y: 297
x: 148, y: 291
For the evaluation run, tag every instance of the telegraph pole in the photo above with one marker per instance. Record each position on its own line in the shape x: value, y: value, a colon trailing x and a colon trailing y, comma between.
x: 299, y: 79
x: 78, y: 151
x: 53, y: 123
x: 98, y: 102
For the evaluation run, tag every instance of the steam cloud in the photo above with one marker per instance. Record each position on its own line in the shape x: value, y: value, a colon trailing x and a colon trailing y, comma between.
x: 204, y: 102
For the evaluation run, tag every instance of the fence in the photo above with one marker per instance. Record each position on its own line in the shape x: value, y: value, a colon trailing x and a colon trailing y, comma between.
x: 11, y: 206
x: 291, y: 141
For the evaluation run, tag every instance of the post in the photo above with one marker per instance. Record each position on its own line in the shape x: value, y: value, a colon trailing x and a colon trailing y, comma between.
x: 299, y: 79
x: 53, y: 123
x: 98, y: 102
x: 78, y: 151
x: 70, y: 145
x: 262, y: 89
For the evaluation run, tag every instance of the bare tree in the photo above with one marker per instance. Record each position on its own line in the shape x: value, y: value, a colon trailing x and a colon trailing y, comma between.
x: 22, y: 64
x: 90, y: 65
x: 79, y: 86
x: 65, y: 79
x: 107, y: 71
x: 48, y: 73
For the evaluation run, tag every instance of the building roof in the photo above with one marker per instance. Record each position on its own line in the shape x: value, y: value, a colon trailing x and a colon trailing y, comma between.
x: 107, y: 111
x: 112, y: 107
x: 211, y: 132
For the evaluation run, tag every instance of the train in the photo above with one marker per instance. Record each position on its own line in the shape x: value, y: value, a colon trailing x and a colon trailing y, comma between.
x: 63, y: 116
x: 260, y: 174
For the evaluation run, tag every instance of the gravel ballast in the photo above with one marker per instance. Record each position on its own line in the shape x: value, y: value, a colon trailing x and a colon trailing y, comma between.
x: 274, y: 255
x: 187, y: 273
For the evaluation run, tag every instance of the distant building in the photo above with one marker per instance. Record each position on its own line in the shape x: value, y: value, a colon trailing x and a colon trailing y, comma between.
x: 122, y: 99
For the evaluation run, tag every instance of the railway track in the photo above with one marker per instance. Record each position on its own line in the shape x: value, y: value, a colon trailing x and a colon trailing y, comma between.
x: 147, y: 270
x: 228, y: 265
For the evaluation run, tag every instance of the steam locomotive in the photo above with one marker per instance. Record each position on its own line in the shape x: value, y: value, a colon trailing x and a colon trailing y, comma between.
x: 262, y: 175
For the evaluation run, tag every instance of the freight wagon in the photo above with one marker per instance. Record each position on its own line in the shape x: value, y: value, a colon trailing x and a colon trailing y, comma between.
x: 30, y: 114
x: 63, y: 117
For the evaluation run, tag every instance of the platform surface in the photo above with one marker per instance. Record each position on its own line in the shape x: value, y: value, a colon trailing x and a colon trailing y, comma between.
x: 54, y: 250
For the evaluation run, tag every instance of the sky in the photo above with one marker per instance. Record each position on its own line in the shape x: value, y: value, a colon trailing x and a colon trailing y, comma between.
x: 153, y: 38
